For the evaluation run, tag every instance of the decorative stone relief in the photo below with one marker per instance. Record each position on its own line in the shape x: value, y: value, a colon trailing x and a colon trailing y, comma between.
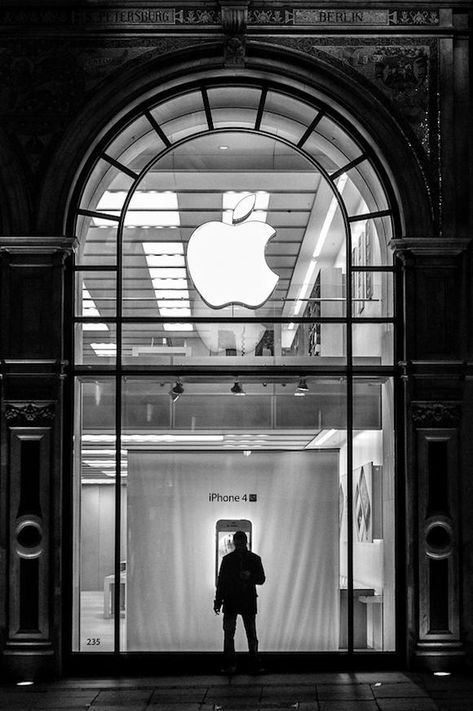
x: 436, y: 414
x: 353, y: 17
x: 263, y: 15
x: 44, y: 85
x: 30, y: 414
x: 403, y: 70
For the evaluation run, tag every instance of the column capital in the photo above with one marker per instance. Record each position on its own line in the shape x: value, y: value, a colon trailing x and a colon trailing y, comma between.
x: 37, y: 245
x: 234, y: 16
x: 429, y: 246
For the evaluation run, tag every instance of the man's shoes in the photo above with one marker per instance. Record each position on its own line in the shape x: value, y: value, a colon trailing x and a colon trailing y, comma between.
x: 229, y: 670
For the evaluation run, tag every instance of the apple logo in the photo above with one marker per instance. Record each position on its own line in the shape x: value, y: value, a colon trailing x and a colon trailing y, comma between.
x: 227, y: 261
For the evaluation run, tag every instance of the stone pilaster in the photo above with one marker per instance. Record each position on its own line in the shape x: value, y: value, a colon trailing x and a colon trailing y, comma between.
x: 33, y: 368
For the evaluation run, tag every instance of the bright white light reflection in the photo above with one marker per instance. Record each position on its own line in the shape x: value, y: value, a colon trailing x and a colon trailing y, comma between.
x: 102, y: 452
x: 126, y: 439
x: 100, y: 463
x: 25, y: 683
x: 327, y: 223
x: 89, y: 308
x: 321, y: 438
x: 146, y: 208
x: 104, y: 350
x: 178, y: 326
x: 442, y: 673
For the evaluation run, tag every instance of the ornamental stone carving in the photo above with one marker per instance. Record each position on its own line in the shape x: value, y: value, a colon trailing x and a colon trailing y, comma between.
x: 436, y: 414
x: 30, y: 414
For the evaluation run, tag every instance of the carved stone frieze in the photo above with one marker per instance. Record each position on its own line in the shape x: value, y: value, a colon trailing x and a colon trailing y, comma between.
x: 288, y: 15
x: 436, y: 414
x: 403, y: 70
x: 30, y: 414
x: 44, y: 83
x: 353, y: 17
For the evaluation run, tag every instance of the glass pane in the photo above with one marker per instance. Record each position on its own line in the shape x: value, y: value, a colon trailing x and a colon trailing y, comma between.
x: 223, y: 458
x: 95, y: 347
x: 373, y: 343
x: 96, y: 297
x: 288, y: 108
x: 370, y: 241
x: 234, y: 106
x: 366, y: 182
x: 183, y: 254
x: 136, y: 145
x: 186, y: 343
x: 94, y: 517
x: 373, y: 516
x: 97, y: 242
x: 105, y: 179
x: 372, y: 294
x: 182, y: 116
x: 331, y: 145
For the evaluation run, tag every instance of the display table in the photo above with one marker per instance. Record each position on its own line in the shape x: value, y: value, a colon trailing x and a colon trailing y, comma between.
x: 109, y: 595
x: 360, y: 618
x: 374, y: 620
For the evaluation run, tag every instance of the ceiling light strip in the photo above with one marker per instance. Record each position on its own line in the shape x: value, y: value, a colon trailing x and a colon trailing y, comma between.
x: 341, y: 182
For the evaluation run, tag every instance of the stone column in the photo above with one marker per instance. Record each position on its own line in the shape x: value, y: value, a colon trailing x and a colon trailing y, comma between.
x: 34, y: 299
x: 433, y: 374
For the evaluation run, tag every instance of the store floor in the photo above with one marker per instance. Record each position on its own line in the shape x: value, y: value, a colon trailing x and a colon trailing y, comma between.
x: 385, y: 691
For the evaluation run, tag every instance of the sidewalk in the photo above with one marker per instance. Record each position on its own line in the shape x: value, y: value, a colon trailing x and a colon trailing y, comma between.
x: 384, y: 691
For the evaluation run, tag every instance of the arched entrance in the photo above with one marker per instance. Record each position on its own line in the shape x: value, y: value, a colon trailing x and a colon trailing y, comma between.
x: 168, y: 339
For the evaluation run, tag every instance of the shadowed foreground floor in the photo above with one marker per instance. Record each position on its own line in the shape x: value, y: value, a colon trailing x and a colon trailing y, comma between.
x: 384, y: 691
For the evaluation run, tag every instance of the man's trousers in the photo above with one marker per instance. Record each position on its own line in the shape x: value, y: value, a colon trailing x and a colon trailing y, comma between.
x: 229, y: 627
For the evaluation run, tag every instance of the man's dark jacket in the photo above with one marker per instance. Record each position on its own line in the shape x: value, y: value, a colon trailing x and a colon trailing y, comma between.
x: 237, y: 595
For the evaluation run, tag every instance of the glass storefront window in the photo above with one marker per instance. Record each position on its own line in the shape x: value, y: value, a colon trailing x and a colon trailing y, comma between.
x: 221, y: 382
x: 94, y: 516
x: 373, y: 519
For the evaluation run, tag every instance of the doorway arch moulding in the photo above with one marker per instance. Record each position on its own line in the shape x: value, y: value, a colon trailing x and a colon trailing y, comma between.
x: 323, y: 81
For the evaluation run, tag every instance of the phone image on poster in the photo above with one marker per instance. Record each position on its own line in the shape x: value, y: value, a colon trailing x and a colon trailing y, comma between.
x: 224, y: 530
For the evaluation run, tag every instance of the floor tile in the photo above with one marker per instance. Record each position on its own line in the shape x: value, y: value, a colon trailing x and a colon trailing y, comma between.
x: 418, y: 704
x: 347, y: 691
x: 65, y: 699
x: 179, y: 706
x: 183, y: 694
x: 348, y: 705
x: 406, y: 690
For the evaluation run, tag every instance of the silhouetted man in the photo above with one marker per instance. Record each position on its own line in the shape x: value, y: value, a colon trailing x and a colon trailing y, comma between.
x: 240, y: 572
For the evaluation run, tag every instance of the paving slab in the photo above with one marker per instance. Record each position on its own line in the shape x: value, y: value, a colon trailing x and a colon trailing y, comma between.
x: 65, y: 699
x: 301, y: 692
x: 190, y: 694
x: 407, y: 690
x: 334, y: 692
x: 348, y: 705
x: 419, y: 704
x: 179, y: 706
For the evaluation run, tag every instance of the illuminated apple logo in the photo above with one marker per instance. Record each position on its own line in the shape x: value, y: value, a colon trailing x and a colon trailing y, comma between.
x: 227, y: 262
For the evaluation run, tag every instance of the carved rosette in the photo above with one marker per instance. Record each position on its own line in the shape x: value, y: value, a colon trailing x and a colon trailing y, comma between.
x: 30, y: 414
x: 436, y: 414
